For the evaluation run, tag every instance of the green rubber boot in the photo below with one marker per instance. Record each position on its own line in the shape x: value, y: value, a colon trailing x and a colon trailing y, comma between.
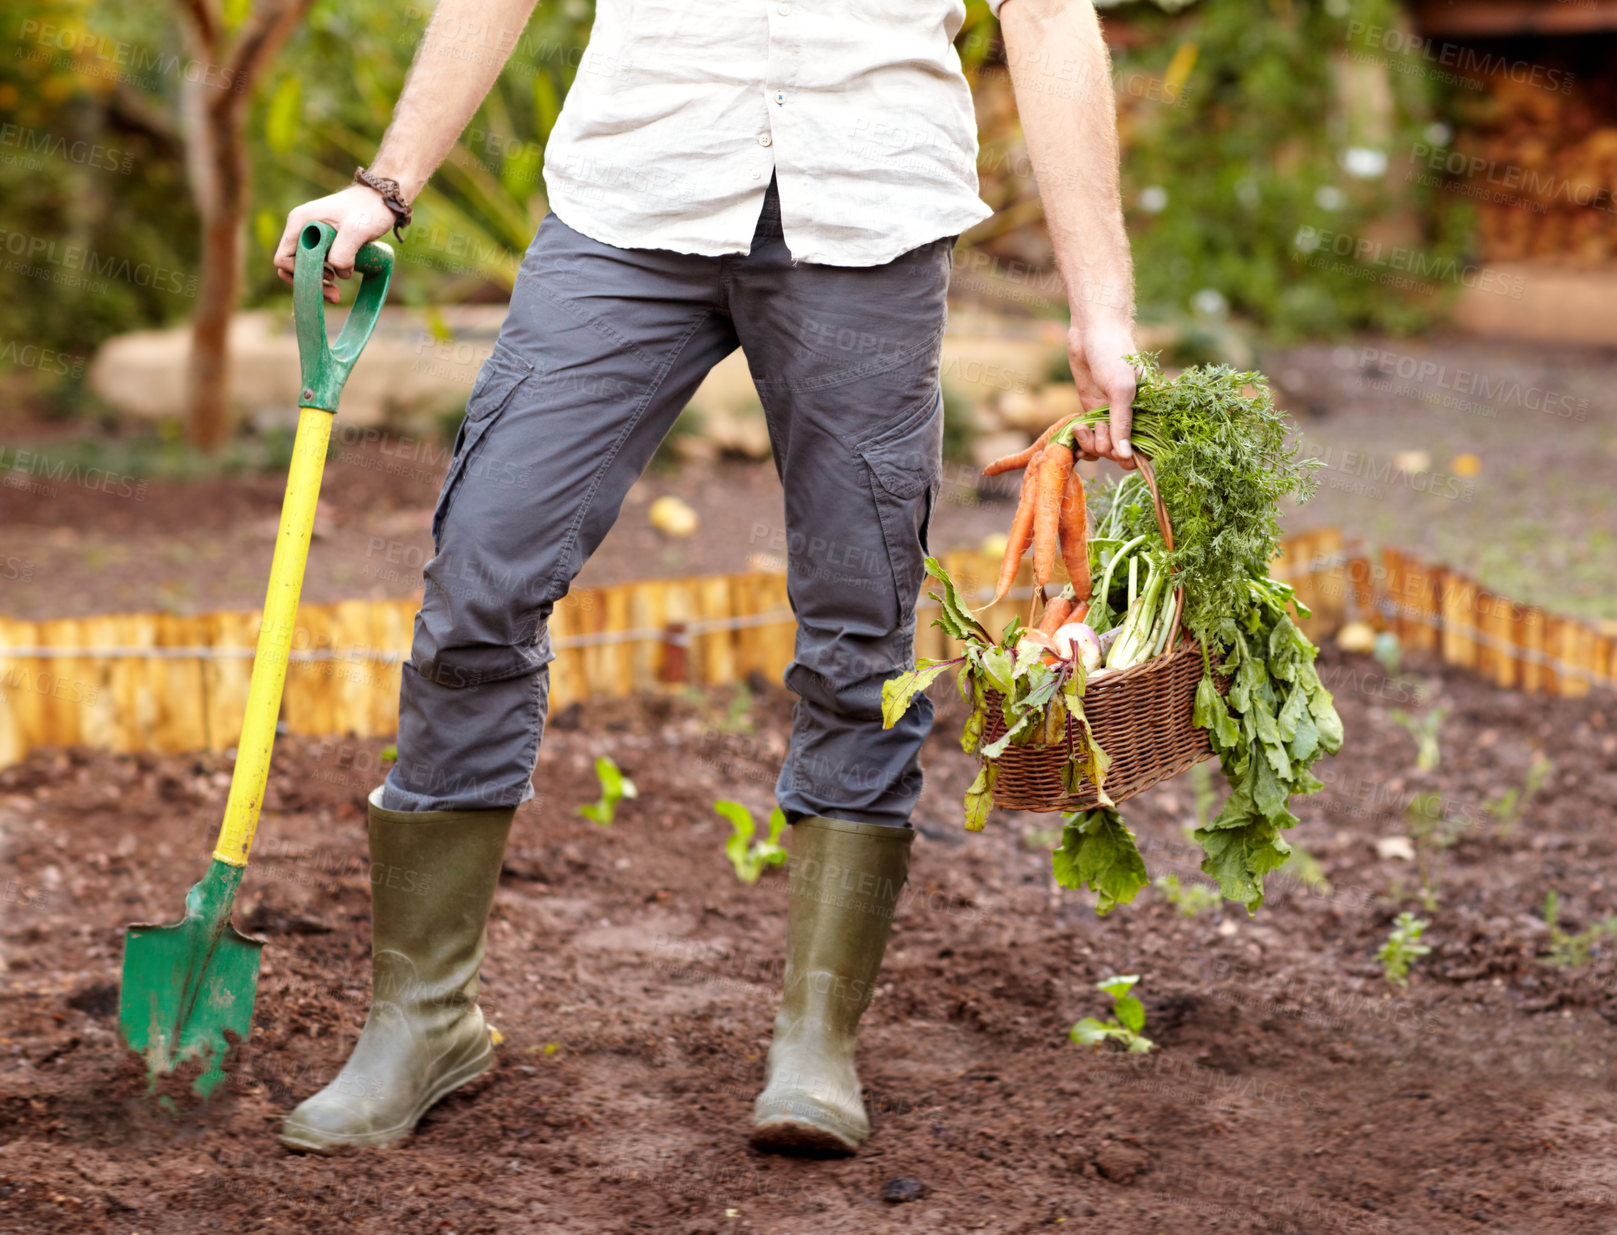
x: 433, y: 875
x: 845, y: 883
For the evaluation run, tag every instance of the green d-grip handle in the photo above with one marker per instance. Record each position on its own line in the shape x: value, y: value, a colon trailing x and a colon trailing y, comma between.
x: 326, y: 365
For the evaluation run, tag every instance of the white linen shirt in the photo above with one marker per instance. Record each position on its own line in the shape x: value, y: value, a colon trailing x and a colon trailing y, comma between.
x: 681, y: 112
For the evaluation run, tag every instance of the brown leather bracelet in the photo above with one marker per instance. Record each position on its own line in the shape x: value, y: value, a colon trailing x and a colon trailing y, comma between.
x: 392, y: 198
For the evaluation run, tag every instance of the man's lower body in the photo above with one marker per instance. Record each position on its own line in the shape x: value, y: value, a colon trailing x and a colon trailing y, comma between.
x: 600, y: 352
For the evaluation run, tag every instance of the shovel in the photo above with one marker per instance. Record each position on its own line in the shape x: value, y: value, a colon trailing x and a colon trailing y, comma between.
x: 188, y: 989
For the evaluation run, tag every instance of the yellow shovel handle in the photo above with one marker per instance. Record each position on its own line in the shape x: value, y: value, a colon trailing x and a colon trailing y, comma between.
x: 275, y: 638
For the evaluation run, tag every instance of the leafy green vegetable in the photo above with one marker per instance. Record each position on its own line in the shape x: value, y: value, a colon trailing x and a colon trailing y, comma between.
x: 1403, y: 948
x: 749, y: 857
x: 1128, y: 1018
x: 897, y: 693
x: 1097, y: 851
x: 615, y: 786
x: 1222, y: 462
x: 1569, y: 951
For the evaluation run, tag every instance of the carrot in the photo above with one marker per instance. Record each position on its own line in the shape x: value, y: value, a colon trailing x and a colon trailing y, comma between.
x: 1009, y: 463
x: 1056, y: 614
x: 1075, y: 535
x: 1080, y: 611
x: 1021, y: 535
x: 1054, y: 466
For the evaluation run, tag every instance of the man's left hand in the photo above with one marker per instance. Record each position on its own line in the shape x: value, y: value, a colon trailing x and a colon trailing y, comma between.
x: 1096, y: 351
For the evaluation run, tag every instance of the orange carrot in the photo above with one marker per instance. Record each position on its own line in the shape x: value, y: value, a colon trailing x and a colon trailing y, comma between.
x: 1021, y: 535
x: 1054, y: 466
x: 1009, y: 463
x: 1075, y: 535
x: 1056, y: 614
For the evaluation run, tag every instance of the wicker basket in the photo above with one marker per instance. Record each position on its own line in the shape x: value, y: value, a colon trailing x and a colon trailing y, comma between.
x: 1141, y: 717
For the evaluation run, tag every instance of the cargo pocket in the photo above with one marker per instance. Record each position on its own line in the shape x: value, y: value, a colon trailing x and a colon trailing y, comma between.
x: 497, y: 380
x: 906, y: 466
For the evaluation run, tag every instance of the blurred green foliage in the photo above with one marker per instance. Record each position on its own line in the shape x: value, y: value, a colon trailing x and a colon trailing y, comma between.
x: 1219, y: 182
x: 1285, y: 133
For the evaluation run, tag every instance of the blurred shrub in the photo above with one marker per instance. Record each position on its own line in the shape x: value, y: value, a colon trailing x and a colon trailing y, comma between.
x: 1286, y: 134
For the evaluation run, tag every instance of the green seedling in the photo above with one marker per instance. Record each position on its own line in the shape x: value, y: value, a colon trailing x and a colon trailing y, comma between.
x: 748, y: 856
x: 615, y: 786
x: 1573, y: 951
x: 1190, y: 898
x: 1509, y: 806
x: 1432, y: 832
x: 1423, y: 728
x: 1127, y: 1023
x: 1403, y: 948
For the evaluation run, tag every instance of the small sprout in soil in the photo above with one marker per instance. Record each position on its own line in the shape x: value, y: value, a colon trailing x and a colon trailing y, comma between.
x: 1423, y: 728
x: 1403, y: 948
x: 1127, y: 1023
x: 1509, y: 806
x: 748, y: 856
x: 390, y: 754
x: 615, y: 786
x: 1432, y: 831
x: 1573, y: 951
x: 1191, y: 898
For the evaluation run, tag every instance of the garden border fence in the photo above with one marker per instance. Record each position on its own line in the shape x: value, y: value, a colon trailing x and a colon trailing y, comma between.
x: 163, y: 682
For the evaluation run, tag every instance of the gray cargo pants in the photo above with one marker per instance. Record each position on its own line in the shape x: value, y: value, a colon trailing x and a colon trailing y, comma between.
x: 600, y: 351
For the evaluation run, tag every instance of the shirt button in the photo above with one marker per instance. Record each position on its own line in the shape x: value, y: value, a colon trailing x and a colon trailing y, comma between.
x: 764, y: 139
x: 780, y: 97
x: 757, y: 175
x: 785, y: 10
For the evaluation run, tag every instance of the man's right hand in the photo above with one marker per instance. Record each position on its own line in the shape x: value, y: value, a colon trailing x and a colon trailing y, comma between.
x: 359, y: 216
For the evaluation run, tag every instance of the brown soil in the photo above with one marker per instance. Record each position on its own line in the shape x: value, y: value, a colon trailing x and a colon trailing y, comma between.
x: 1535, y: 521
x: 1292, y: 1088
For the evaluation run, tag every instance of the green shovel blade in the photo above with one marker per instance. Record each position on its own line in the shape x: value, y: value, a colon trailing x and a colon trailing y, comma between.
x: 188, y: 989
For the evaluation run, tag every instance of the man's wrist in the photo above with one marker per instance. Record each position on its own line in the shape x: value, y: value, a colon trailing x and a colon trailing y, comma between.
x: 410, y: 181
x: 1099, y: 306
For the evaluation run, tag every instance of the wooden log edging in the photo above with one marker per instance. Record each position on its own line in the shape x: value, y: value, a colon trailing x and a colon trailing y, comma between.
x: 161, y: 682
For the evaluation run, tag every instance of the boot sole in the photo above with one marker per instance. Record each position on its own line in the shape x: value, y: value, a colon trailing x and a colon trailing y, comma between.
x: 785, y: 1135
x: 328, y: 1146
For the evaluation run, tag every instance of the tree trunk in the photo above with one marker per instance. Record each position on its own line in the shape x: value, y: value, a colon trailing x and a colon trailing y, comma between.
x: 218, y: 162
x: 221, y: 146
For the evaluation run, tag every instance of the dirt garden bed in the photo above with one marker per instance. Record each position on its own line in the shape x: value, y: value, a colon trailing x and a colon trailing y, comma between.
x: 632, y: 977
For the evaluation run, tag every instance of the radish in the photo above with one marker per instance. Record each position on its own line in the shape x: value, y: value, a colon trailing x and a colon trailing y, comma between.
x: 1075, y: 639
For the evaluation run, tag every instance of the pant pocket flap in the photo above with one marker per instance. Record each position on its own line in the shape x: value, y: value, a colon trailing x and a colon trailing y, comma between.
x: 906, y: 461
x: 501, y: 373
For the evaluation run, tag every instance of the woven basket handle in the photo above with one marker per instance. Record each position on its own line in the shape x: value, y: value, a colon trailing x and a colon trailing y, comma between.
x: 1148, y: 475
